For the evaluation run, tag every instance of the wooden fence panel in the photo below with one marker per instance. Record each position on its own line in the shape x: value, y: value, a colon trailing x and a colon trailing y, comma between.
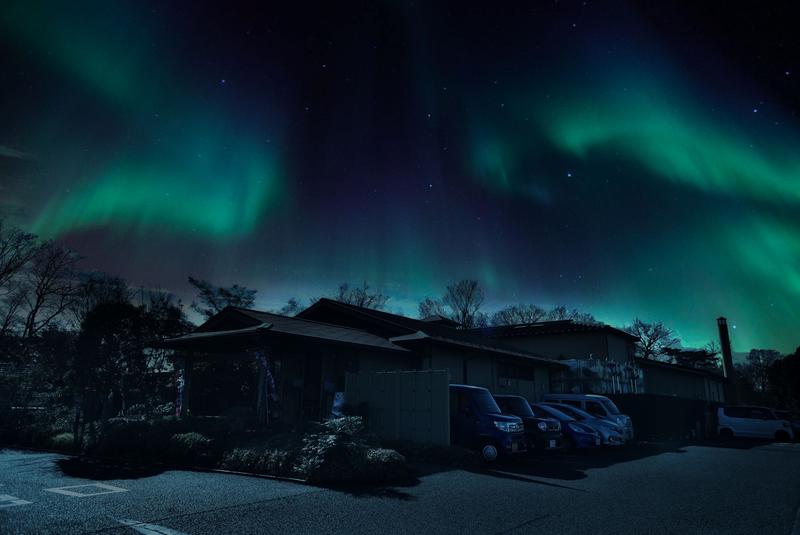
x: 404, y: 405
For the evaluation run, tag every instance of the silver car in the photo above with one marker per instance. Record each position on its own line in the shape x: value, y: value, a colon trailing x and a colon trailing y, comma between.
x: 598, y: 406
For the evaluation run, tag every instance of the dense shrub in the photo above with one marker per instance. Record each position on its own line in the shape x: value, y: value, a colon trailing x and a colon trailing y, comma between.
x: 340, y: 451
x: 260, y: 461
x: 165, y: 409
x: 334, y: 451
x: 119, y: 437
x: 62, y: 442
x: 192, y: 449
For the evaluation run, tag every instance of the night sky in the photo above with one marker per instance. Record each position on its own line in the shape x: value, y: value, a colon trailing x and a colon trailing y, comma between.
x: 623, y: 160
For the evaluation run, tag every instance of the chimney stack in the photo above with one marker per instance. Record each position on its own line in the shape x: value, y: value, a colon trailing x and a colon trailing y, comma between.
x: 727, y: 359
x: 725, y: 345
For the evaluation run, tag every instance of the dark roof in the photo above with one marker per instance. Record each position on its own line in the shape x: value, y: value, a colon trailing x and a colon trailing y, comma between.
x: 467, y: 387
x: 402, y: 329
x: 678, y: 368
x: 438, y: 318
x: 550, y: 327
x: 252, y: 322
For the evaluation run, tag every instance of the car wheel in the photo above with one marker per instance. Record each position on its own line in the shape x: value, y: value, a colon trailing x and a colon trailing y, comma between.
x: 725, y: 433
x: 782, y: 436
x: 489, y: 452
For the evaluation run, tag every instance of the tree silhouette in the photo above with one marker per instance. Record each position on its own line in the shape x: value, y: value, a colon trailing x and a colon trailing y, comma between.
x: 212, y: 299
x: 461, y: 303
x: 654, y: 339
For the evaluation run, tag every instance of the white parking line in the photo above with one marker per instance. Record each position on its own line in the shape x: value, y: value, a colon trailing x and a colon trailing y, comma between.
x: 104, y: 489
x: 7, y: 500
x: 149, y: 529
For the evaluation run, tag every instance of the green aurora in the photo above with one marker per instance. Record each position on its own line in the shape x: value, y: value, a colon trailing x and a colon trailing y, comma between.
x: 583, y: 183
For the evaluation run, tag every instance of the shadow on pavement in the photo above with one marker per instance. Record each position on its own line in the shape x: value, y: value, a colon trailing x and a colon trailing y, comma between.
x: 738, y: 443
x: 392, y: 490
x: 537, y: 467
x: 571, y: 466
x: 101, y: 470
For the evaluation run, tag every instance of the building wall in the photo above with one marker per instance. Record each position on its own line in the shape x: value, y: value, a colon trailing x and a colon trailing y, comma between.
x: 404, y: 405
x: 379, y: 361
x: 619, y: 348
x: 578, y: 345
x: 532, y: 387
x: 681, y: 384
x: 500, y: 375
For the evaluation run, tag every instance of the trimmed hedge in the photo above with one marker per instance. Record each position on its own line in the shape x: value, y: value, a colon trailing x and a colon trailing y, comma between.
x: 191, y: 448
x: 334, y: 451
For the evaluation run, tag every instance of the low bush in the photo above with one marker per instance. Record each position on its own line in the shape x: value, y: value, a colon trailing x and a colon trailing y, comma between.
x: 334, y: 451
x: 259, y: 461
x: 191, y: 449
x: 62, y: 442
x: 119, y: 437
x: 339, y: 450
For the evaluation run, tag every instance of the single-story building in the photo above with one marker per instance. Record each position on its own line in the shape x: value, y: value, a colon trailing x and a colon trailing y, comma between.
x: 279, y: 368
x: 285, y: 369
x: 469, y: 357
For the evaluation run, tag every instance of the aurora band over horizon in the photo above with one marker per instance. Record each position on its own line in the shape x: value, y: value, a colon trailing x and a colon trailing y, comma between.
x: 620, y: 194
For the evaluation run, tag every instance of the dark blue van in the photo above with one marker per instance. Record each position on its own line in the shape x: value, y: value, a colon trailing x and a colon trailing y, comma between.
x: 476, y: 422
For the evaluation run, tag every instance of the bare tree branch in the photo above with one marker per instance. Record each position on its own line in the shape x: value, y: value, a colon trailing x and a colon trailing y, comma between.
x: 654, y: 339
x: 50, y: 286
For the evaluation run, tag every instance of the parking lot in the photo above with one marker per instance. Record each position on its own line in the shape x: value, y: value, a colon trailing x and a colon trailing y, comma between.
x: 736, y: 487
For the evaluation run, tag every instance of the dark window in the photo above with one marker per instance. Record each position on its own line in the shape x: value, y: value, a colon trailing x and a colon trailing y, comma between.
x: 569, y: 412
x: 515, y: 406
x: 735, y: 412
x: 507, y: 371
x: 595, y: 409
x: 485, y: 402
x: 503, y: 404
x: 573, y: 402
x: 761, y: 414
x: 462, y: 402
x: 527, y: 373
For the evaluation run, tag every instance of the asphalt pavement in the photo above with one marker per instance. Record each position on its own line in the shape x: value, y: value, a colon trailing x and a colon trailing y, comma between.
x: 733, y: 487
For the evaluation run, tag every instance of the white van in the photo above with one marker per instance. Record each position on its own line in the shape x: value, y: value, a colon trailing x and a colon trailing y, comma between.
x: 596, y: 405
x: 753, y: 422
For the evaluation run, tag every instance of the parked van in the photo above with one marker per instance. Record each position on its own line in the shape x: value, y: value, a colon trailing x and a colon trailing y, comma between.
x: 753, y: 422
x: 477, y: 422
x: 541, y: 433
x: 599, y: 406
x: 793, y: 417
